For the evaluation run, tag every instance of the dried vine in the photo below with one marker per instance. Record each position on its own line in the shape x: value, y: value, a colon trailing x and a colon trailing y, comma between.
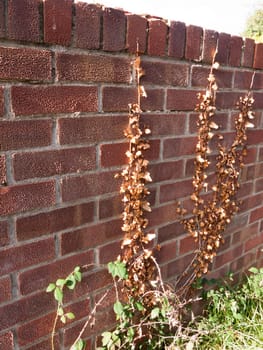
x: 210, y: 217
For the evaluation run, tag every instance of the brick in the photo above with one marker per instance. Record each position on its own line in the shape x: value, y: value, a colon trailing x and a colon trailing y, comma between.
x: 57, y: 21
x: 178, y: 266
x: 242, y: 79
x: 227, y: 100
x: 44, y: 344
x: 38, y: 278
x: 175, y: 191
x: 113, y: 154
x: 7, y: 341
x: 256, y: 214
x: 24, y: 20
x: 193, y: 47
x: 37, y: 329
x: 165, y: 171
x: 258, y: 58
x: 91, y: 130
x: 162, y: 215
x: 25, y: 64
x: 31, y: 306
x: 159, y: 73
x: 165, y: 124
x: 258, y: 104
x: 53, y: 221
x: 85, y: 186
x: 170, y: 231
x: 223, y: 48
x: 2, y: 106
x: 187, y: 245
x: 109, y: 252
x: 200, y: 75
x: 235, y: 54
x: 93, y: 68
x: 5, y: 290
x: 221, y: 119
x: 248, y: 55
x: 254, y: 242
x: 113, y: 30
x: 177, y: 36
x: 49, y: 163
x: 2, y: 170
x: 209, y: 45
x: 4, y: 234
x: 20, y: 198
x: 2, y: 19
x: 25, y: 134
x: 110, y: 207
x: 176, y: 147
x: 136, y: 33
x: 167, y: 252
x: 20, y: 257
x: 91, y: 236
x: 154, y: 101
x: 116, y: 99
x: 228, y: 256
x: 258, y: 81
x: 87, y: 30
x: 181, y: 100
x: 28, y: 100
x: 157, y: 37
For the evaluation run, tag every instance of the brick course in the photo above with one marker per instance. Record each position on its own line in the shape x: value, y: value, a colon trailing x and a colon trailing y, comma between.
x: 65, y: 83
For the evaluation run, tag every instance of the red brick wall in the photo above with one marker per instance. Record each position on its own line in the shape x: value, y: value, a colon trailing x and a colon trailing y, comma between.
x: 64, y: 88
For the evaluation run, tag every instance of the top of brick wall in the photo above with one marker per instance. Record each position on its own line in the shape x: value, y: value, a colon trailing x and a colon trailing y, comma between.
x: 93, y: 27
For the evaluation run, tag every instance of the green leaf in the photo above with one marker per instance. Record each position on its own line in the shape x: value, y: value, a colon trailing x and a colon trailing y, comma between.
x: 63, y: 319
x: 80, y: 345
x: 117, y: 269
x: 70, y: 315
x: 155, y: 313
x: 58, y: 294
x: 60, y: 282
x: 118, y: 308
x: 60, y: 311
x: 106, y: 338
x: 70, y: 282
x: 139, y: 306
x: 50, y: 287
x: 253, y: 270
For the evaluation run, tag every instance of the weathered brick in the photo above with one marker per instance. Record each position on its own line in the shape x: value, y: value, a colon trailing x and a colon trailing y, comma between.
x: 223, y: 48
x: 177, y: 35
x: 175, y: 191
x: 93, y: 68
x: 110, y: 207
x: 87, y: 30
x: 31, y: 306
x: 92, y: 129
x: 2, y: 19
x: 136, y: 33
x: 48, y: 163
x: 235, y: 54
x: 27, y: 100
x: 181, y: 100
x: 57, y: 21
x: 1, y: 101
x: 157, y: 37
x: 154, y: 101
x: 200, y: 75
x: 25, y: 64
x: 4, y: 234
x: 258, y: 58
x: 113, y: 154
x: 248, y: 55
x: 91, y: 236
x: 24, y: 20
x: 5, y: 290
x: 209, y: 45
x: 113, y: 30
x: 159, y: 73
x: 38, y: 278
x: 7, y: 341
x: 20, y: 198
x: 53, y: 221
x: 2, y: 170
x: 25, y: 134
x: 243, y: 79
x: 193, y: 47
x: 165, y: 124
x: 20, y: 257
x: 116, y: 99
x: 85, y: 186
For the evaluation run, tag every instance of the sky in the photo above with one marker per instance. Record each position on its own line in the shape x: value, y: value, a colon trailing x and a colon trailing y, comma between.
x: 228, y: 16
